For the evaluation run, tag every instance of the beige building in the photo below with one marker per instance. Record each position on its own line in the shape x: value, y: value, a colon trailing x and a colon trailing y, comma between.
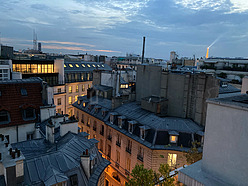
x: 244, y: 88
x: 225, y: 146
x: 129, y: 135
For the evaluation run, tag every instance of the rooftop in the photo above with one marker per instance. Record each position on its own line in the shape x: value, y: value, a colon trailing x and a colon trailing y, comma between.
x: 236, y: 101
x: 29, y: 80
x: 85, y: 66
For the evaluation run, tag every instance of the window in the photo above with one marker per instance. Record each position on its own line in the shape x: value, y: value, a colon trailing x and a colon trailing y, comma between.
x: 64, y: 66
x: 29, y: 114
x: 77, y: 88
x: 4, y: 117
x: 59, y: 90
x: 129, y: 146
x: 89, y: 86
x: 88, y: 76
x: 70, y: 112
x: 83, y: 88
x: 77, y: 65
x: 140, y: 153
x: 70, y: 65
x: 24, y: 92
x: 30, y: 136
x: 94, y: 126
x: 120, y: 123
x: 70, y: 89
x: 88, y: 65
x: 84, y: 104
x: 118, y: 156
x: 83, y: 65
x: 172, y: 159
x: 88, y: 122
x: 118, y: 142
x: 128, y: 164
x: 76, y: 97
x: 70, y: 100
x: 74, y: 180
x: 101, y: 145
x: 59, y: 101
x: 89, y: 134
x: 173, y: 139
x: 102, y: 130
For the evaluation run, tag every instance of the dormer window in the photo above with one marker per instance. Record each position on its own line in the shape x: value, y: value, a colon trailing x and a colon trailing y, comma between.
x: 173, y: 136
x: 131, y: 126
x: 103, y: 113
x: 121, y: 120
x: 4, y: 117
x: 29, y: 114
x: 111, y: 119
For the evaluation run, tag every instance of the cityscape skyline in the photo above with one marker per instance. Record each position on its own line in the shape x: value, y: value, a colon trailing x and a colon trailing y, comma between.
x: 114, y: 28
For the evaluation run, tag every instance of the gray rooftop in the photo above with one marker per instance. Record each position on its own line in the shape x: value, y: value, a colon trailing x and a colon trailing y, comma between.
x: 228, y: 89
x: 236, y: 101
x: 50, y: 163
x: 29, y: 80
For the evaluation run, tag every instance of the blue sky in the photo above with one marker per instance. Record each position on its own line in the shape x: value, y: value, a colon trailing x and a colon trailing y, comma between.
x: 116, y: 27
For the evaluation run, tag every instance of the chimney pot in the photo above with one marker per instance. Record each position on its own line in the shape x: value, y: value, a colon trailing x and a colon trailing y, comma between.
x: 13, y: 155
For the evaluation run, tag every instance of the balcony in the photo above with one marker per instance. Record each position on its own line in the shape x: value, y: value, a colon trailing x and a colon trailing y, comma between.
x: 102, y: 133
x: 140, y: 157
x: 127, y: 172
x: 109, y: 137
x: 128, y: 149
x: 118, y: 143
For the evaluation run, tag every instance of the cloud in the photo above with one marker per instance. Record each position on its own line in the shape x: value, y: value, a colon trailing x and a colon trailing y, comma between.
x: 67, y: 43
x: 228, y: 6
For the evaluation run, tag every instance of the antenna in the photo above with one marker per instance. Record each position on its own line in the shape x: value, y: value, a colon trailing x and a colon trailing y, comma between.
x: 0, y: 39
x: 34, y: 41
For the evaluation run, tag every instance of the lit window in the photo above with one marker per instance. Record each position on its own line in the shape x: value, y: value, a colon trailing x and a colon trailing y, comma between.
x: 70, y: 100
x: 83, y: 95
x: 83, y: 65
x: 76, y: 98
x: 111, y: 119
x: 84, y: 104
x: 70, y: 89
x: 4, y: 117
x: 118, y: 156
x: 59, y: 90
x: 83, y: 88
x: 128, y: 164
x: 64, y: 66
x: 77, y: 65
x: 98, y: 65
x: 88, y: 65
x: 173, y: 139
x: 172, y: 159
x: 29, y: 114
x: 102, y: 65
x: 71, y: 65
x: 94, y: 65
x: 89, y: 85
x: 77, y: 88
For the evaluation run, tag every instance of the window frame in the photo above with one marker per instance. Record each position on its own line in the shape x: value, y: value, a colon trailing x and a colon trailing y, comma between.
x: 24, y: 114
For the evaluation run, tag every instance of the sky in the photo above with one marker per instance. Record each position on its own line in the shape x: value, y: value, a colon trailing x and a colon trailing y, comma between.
x: 117, y: 27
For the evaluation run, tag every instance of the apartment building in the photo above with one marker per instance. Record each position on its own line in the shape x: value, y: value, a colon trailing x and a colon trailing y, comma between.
x: 78, y: 79
x: 22, y: 104
x: 225, y: 146
x: 130, y: 134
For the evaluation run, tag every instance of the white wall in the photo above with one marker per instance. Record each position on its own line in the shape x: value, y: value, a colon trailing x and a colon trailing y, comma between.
x: 47, y: 112
x: 244, y: 85
x: 22, y: 132
x: 225, y: 151
x: 59, y: 68
x: 66, y: 127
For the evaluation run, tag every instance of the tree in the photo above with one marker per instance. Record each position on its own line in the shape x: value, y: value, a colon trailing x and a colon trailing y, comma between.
x: 193, y: 155
x: 146, y: 177
x: 141, y: 176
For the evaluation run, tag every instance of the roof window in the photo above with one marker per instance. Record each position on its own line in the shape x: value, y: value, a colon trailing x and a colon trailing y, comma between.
x: 70, y: 65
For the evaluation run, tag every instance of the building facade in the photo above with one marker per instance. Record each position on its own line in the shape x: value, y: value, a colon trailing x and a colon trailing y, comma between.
x: 129, y: 135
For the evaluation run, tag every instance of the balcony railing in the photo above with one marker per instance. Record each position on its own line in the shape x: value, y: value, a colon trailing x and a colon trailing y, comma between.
x: 118, y: 143
x: 128, y: 149
x: 140, y: 157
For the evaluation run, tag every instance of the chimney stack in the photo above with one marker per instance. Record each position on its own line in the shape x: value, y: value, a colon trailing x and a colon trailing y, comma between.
x: 85, y: 161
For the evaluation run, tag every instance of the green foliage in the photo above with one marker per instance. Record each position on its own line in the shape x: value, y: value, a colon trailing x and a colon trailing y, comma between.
x: 141, y: 176
x: 193, y: 155
x: 145, y: 177
x: 222, y: 75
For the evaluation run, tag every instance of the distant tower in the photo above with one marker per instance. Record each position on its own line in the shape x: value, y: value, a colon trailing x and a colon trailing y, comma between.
x: 207, y: 53
x: 39, y: 47
x: 34, y: 41
x: 173, y: 55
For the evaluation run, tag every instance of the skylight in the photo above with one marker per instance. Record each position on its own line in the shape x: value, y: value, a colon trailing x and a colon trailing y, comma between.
x: 94, y: 65
x: 64, y: 66
x: 88, y: 65
x: 77, y: 65
x: 71, y: 65
x: 83, y: 65
x: 102, y: 65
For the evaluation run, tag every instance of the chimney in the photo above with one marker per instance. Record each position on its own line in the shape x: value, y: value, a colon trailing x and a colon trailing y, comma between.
x: 143, y: 51
x: 85, y: 161
x: 50, y: 132
x: 13, y: 154
x: 37, y: 132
